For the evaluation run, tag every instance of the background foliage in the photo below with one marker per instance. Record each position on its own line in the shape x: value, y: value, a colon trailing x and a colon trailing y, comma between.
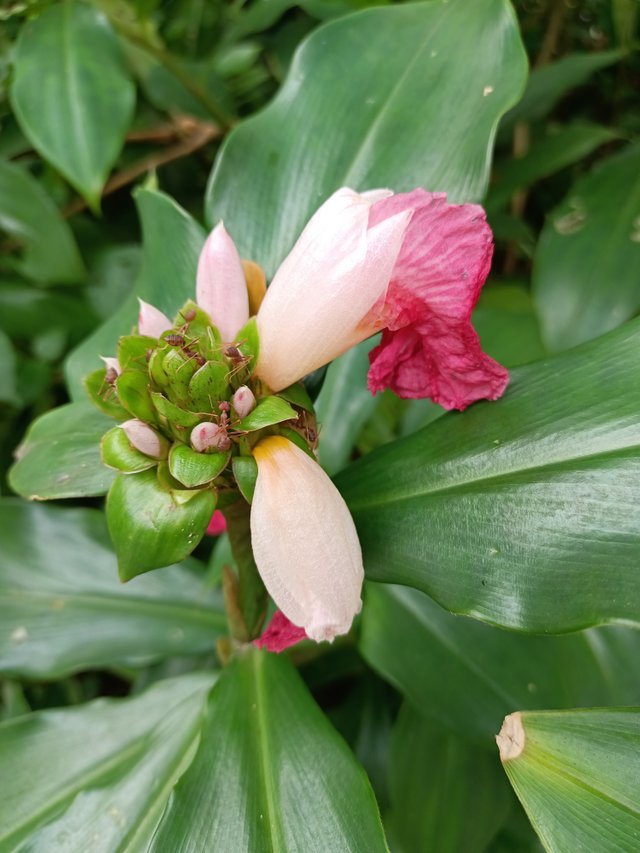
x: 128, y: 128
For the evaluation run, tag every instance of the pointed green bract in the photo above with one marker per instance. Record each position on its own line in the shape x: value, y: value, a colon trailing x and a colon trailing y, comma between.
x: 269, y: 411
x: 195, y: 469
x: 60, y: 455
x: 250, y: 786
x: 149, y: 528
x: 576, y: 774
x: 245, y: 472
x: 103, y: 395
x: 116, y: 452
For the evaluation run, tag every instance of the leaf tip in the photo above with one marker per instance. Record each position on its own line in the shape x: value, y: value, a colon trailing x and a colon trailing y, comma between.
x: 511, y: 738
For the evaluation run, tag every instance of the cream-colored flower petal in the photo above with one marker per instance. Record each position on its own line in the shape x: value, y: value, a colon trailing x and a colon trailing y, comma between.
x: 221, y: 288
x: 336, y: 272
x: 304, y: 541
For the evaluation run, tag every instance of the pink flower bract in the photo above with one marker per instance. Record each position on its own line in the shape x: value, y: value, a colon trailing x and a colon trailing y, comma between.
x: 429, y: 347
x: 279, y: 634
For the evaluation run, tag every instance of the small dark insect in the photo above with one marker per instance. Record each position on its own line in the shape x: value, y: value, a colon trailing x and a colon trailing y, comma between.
x: 110, y: 376
x: 199, y: 359
x: 190, y: 315
x: 234, y: 353
x: 175, y: 340
x: 224, y: 406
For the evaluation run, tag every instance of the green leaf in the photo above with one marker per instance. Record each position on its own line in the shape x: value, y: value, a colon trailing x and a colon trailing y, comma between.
x: 415, y: 644
x: 270, y: 773
x: 344, y: 405
x: 97, y: 777
x: 507, y: 325
x: 576, y: 774
x: 103, y: 395
x: 60, y: 455
x: 8, y: 387
x: 72, y: 95
x: 133, y: 392
x: 445, y: 794
x: 195, y: 469
x: 63, y: 609
x: 172, y: 241
x: 585, y: 278
x: 27, y: 213
x: 297, y: 395
x: 464, y: 67
x: 245, y: 472
x: 117, y: 452
x: 269, y: 411
x: 174, y: 413
x: 149, y: 528
x: 520, y: 512
x: 549, y: 83
x: 557, y: 149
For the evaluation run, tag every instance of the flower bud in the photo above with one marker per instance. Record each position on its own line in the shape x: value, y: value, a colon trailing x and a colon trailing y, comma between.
x: 221, y: 289
x: 209, y: 436
x: 111, y: 364
x: 243, y: 401
x: 151, y: 321
x: 145, y: 439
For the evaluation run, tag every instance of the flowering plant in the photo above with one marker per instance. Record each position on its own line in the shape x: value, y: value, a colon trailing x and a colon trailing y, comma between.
x: 301, y: 451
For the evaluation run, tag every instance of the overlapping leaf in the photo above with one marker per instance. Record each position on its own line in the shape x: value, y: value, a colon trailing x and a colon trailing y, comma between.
x: 521, y: 512
x: 63, y: 609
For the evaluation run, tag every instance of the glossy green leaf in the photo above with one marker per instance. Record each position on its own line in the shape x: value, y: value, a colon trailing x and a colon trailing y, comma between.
x: 117, y: 452
x: 71, y: 93
x: 60, y: 455
x: 174, y: 413
x: 269, y: 411
x: 150, y: 529
x: 549, y: 83
x: 27, y: 213
x: 415, y: 644
x: 63, y: 609
x: 245, y: 472
x: 585, y: 275
x: 507, y: 325
x: 195, y: 469
x: 270, y: 773
x: 104, y: 396
x: 464, y: 66
x: 171, y: 244
x: 521, y: 512
x: 208, y: 385
x: 445, y: 794
x: 576, y: 773
x: 343, y: 406
x: 559, y: 148
x: 132, y: 387
x: 97, y: 777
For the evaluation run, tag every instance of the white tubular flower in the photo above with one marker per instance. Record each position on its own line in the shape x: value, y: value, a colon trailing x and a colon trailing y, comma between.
x: 221, y: 287
x: 317, y: 304
x: 151, y: 321
x: 304, y: 541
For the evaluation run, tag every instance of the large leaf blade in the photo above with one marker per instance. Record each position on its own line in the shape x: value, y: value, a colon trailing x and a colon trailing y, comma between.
x: 98, y: 776
x: 375, y: 135
x: 576, y: 773
x: 413, y: 643
x: 493, y: 510
x: 59, y: 615
x: 59, y: 456
x: 270, y: 773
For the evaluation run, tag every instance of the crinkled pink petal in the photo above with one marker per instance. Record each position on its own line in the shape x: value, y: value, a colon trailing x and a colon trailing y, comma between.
x: 429, y: 347
x: 279, y: 634
x: 217, y: 525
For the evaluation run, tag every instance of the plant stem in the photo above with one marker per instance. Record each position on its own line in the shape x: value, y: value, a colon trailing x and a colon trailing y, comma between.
x: 250, y: 594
